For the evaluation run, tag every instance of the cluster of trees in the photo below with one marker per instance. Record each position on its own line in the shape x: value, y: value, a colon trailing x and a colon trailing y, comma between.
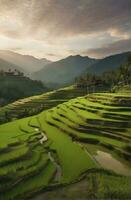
x: 120, y: 76
x: 14, y: 72
x: 125, y: 72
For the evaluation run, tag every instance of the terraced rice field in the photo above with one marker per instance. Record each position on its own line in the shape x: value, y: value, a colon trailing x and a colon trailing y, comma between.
x: 35, y: 104
x: 84, y: 136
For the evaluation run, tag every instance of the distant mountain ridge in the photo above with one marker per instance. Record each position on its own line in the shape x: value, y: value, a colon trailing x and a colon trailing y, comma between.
x: 109, y: 63
x: 5, y: 66
x: 27, y: 63
x: 63, y: 72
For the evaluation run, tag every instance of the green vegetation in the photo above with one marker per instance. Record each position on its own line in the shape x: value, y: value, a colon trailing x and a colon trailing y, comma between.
x: 98, y: 185
x: 116, y: 81
x: 113, y: 80
x: 35, y: 104
x: 14, y: 85
x: 68, y: 143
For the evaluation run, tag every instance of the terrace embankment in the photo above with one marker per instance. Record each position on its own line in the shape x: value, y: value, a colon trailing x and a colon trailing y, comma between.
x: 60, y: 146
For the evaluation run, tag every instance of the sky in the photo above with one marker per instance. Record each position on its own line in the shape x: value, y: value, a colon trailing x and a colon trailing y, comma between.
x: 55, y: 29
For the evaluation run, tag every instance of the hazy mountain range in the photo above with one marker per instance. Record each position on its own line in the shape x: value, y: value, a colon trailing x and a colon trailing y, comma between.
x: 27, y: 63
x: 62, y: 72
x: 109, y: 63
x: 5, y: 65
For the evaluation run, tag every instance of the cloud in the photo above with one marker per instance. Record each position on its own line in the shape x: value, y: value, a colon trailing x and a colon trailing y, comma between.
x: 57, y: 18
x: 116, y: 47
x: 66, y: 24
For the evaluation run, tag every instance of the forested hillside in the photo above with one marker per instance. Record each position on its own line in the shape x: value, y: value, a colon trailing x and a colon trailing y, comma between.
x: 110, y: 80
x: 15, y: 86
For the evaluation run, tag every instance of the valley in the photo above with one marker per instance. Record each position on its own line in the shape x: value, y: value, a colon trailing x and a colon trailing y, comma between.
x: 71, y: 139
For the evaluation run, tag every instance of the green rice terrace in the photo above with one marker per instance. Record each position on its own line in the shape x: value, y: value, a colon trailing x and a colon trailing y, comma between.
x: 80, y: 148
x: 35, y: 104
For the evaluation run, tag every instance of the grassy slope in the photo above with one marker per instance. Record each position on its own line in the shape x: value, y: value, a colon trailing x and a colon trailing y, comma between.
x: 100, y: 119
x: 35, y: 104
x: 93, y: 186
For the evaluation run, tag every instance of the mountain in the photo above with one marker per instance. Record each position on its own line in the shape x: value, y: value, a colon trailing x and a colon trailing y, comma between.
x: 109, y: 63
x: 63, y: 72
x: 28, y: 63
x: 4, y: 65
x: 45, y: 61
